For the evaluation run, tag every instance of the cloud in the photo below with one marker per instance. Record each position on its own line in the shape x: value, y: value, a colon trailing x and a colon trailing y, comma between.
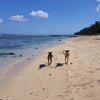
x: 98, y: 0
x: 39, y: 13
x: 1, y: 21
x: 19, y: 18
x: 98, y: 8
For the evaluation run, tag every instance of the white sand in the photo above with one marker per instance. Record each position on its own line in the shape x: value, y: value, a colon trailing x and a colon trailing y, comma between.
x: 79, y: 80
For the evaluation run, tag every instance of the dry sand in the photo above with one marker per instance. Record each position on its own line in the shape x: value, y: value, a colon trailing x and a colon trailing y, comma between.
x: 79, y: 80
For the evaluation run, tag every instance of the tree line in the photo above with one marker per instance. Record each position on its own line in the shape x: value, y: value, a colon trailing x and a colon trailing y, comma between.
x: 92, y: 30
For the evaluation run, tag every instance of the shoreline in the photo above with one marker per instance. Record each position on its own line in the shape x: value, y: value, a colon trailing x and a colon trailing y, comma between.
x: 11, y: 55
x: 79, y: 80
x: 11, y: 72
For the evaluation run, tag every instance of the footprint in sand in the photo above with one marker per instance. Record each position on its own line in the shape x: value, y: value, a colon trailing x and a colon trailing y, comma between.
x: 71, y: 63
x: 74, y: 85
x: 43, y: 88
x: 91, y: 86
x: 85, y: 88
x: 77, y: 92
x: 50, y: 74
x: 71, y: 98
x: 23, y: 74
x: 98, y: 81
x: 75, y: 57
x: 31, y: 92
x: 8, y: 97
x: 78, y: 88
x: 91, y: 71
x: 46, y: 96
x: 97, y: 69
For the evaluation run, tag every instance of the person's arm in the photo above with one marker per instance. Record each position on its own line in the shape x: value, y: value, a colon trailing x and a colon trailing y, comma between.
x: 63, y: 53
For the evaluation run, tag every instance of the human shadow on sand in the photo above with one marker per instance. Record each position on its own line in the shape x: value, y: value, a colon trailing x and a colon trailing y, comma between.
x: 42, y: 66
x: 59, y: 65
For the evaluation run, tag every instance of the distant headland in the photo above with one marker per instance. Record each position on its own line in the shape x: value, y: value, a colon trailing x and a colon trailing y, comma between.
x: 91, y: 30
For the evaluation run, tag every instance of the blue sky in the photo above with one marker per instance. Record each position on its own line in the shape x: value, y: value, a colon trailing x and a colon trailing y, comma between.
x: 47, y: 16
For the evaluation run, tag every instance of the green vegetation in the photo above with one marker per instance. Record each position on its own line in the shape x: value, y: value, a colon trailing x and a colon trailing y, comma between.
x: 92, y: 30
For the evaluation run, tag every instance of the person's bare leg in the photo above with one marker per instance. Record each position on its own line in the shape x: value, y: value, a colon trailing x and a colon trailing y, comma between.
x: 48, y: 61
x: 65, y: 60
x: 51, y: 61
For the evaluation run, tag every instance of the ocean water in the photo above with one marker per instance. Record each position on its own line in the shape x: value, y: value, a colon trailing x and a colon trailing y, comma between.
x: 16, y: 48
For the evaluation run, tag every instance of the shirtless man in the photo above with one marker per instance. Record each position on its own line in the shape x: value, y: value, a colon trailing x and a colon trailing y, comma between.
x: 66, y: 55
x: 49, y: 58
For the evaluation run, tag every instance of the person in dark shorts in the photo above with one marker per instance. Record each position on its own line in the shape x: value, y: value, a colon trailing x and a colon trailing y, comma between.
x: 49, y: 58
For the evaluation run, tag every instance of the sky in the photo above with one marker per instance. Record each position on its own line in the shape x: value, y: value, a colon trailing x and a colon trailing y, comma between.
x: 47, y: 16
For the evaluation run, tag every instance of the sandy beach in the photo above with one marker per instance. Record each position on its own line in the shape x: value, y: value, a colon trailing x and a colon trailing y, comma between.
x: 79, y: 80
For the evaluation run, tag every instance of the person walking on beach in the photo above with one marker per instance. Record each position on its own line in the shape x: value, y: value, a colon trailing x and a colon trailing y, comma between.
x: 50, y: 58
x: 66, y: 55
